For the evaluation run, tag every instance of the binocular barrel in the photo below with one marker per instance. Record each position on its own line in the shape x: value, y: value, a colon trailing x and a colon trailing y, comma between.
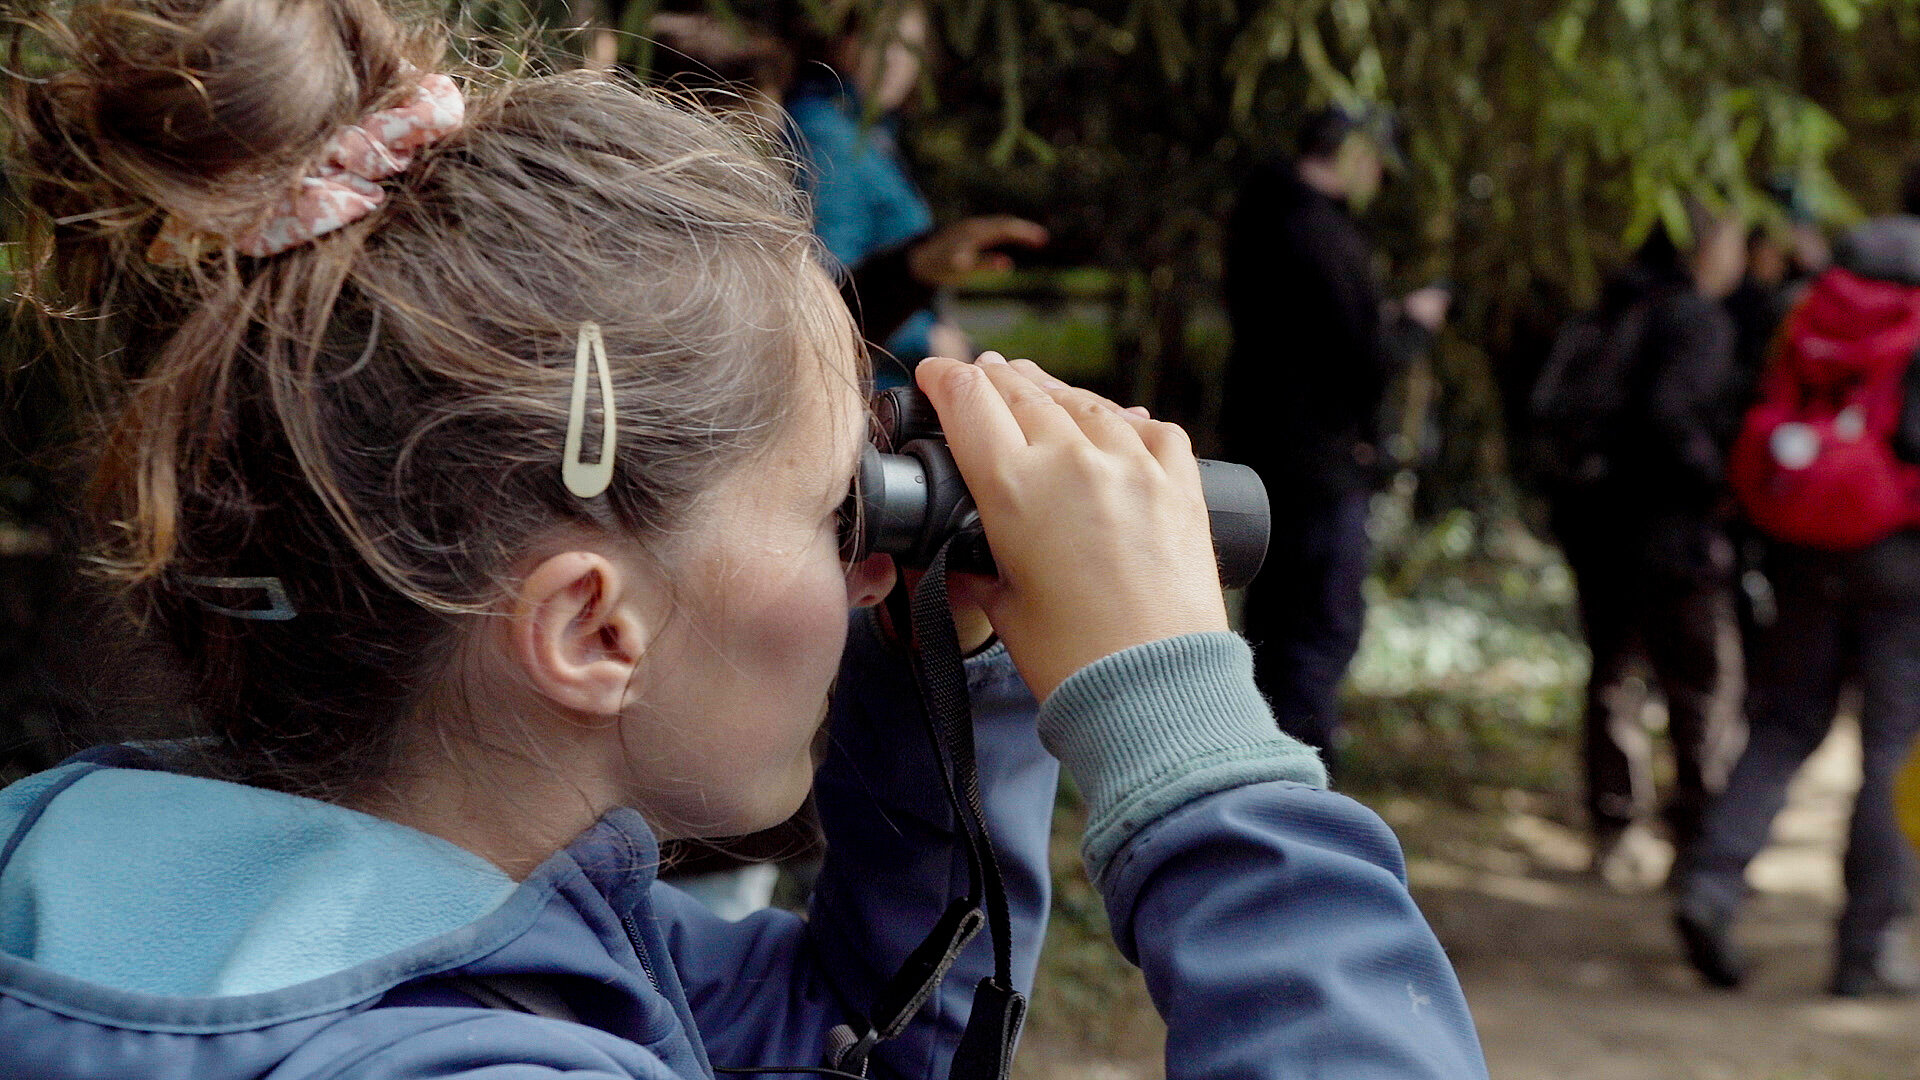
x: 912, y: 501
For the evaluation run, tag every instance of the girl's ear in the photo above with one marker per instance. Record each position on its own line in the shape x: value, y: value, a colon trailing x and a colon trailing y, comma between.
x: 579, y: 627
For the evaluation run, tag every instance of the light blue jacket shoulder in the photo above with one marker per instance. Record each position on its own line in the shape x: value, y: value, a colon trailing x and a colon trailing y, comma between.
x: 239, y: 933
x: 159, y: 926
x: 864, y: 201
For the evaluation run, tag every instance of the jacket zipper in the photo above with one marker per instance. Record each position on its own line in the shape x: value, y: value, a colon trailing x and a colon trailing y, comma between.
x: 639, y: 950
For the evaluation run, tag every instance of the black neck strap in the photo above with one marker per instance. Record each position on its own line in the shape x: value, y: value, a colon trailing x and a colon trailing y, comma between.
x: 993, y: 1029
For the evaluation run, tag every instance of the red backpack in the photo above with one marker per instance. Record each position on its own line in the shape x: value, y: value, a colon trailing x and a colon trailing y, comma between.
x: 1814, y: 463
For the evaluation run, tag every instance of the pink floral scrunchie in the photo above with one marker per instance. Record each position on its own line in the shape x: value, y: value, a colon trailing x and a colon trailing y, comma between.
x: 343, y: 189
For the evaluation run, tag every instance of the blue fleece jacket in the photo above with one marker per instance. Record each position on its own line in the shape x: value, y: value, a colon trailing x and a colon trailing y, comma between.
x: 164, y: 927
x: 863, y: 200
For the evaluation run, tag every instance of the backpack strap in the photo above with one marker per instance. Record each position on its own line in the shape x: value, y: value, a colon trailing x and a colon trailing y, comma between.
x: 1906, y: 437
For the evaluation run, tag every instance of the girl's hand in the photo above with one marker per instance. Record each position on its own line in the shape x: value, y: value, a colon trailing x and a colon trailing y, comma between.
x: 1095, y: 514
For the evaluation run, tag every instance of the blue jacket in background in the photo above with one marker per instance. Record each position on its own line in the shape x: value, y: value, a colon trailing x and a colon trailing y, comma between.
x: 863, y: 200
x: 164, y: 927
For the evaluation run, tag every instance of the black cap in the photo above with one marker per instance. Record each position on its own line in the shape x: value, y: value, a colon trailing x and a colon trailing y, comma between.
x: 1324, y: 131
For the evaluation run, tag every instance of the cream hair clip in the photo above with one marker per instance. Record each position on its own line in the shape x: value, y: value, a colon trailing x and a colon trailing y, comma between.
x: 584, y: 480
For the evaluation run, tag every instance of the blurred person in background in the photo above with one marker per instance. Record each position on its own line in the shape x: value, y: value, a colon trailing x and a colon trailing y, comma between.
x: 1760, y: 302
x: 1635, y: 411
x: 1826, y: 467
x: 1315, y: 344
x: 1782, y: 260
x: 868, y: 213
x: 848, y: 89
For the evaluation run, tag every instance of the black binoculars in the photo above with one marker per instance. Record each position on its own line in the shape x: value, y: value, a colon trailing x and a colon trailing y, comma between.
x: 908, y: 499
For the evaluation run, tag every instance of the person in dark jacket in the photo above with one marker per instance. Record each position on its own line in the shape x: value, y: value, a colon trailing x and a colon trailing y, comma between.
x: 1759, y: 304
x: 1314, y: 349
x: 1644, y: 534
x: 1843, y: 615
x: 1780, y: 266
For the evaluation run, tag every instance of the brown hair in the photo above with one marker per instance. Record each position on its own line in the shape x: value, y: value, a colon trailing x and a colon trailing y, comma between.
x: 375, y: 418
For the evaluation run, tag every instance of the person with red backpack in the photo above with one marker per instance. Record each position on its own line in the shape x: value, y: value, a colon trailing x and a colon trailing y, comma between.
x: 1825, y: 467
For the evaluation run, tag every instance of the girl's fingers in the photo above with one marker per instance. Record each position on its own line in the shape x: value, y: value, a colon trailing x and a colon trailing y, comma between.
x: 1168, y: 443
x: 1170, y: 446
x: 1106, y: 424
x: 974, y: 416
x: 1018, y: 404
x: 1041, y: 417
x: 1039, y: 375
x: 1061, y: 389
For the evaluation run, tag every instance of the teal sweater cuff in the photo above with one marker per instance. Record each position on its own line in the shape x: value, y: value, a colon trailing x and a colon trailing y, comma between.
x: 1152, y: 728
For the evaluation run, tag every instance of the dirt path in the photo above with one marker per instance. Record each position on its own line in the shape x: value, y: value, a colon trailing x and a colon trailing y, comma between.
x: 1570, y: 981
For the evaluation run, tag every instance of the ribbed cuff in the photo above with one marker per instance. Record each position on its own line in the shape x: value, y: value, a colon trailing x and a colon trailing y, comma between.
x: 1152, y: 728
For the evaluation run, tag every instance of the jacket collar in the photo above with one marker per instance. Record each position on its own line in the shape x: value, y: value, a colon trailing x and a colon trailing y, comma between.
x: 315, y: 930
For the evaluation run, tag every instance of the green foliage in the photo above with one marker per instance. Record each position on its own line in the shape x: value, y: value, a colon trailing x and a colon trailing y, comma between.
x: 1471, y: 673
x: 1545, y: 138
x: 1647, y: 99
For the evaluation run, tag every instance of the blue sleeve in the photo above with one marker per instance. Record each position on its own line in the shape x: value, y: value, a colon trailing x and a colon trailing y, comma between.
x: 863, y: 199
x: 1277, y: 937
x: 1270, y: 917
x: 829, y: 141
x: 767, y: 989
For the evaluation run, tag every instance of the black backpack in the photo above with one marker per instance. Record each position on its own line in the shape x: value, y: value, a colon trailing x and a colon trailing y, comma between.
x: 1581, y: 406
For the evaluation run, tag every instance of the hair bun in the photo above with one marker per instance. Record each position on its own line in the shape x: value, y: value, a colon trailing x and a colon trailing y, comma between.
x: 204, y: 109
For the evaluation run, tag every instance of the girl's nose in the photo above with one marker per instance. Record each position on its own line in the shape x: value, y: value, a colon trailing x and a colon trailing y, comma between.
x: 870, y: 580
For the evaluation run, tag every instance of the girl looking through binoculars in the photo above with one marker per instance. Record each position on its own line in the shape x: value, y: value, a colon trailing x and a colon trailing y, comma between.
x: 479, y: 447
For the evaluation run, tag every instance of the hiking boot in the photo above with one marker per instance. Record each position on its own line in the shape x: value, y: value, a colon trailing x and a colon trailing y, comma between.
x: 1707, y: 933
x: 1863, y: 981
x: 1892, y: 971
